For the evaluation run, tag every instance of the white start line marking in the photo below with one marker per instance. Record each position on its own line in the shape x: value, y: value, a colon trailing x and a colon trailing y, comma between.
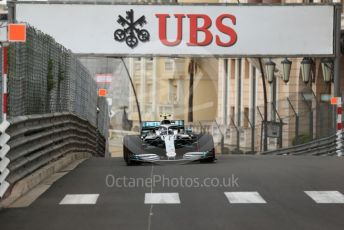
x: 326, y: 197
x: 162, y: 198
x: 79, y: 199
x: 244, y: 198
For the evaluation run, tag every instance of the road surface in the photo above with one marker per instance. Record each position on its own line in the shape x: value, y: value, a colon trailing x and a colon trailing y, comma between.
x: 266, y: 192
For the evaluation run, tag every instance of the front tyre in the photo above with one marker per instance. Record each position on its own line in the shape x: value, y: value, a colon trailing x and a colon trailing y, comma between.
x: 126, y: 155
x: 131, y: 146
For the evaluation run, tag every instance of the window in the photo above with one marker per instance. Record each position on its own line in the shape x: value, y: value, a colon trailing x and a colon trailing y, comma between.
x: 232, y: 115
x: 172, y: 91
x: 247, y: 69
x: 149, y: 93
x: 137, y: 64
x: 246, y: 117
x: 232, y: 68
x: 149, y: 65
x: 169, y: 65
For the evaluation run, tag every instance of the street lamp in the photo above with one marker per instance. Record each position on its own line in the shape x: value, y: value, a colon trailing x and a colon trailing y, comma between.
x: 270, y: 70
x: 265, y: 119
x: 306, y: 64
x: 286, y: 65
x: 134, y: 91
x: 327, y: 66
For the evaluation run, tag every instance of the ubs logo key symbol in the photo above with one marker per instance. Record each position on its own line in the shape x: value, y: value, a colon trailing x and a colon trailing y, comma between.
x: 132, y: 30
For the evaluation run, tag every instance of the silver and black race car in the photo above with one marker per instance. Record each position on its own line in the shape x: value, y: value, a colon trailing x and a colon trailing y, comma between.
x: 167, y: 140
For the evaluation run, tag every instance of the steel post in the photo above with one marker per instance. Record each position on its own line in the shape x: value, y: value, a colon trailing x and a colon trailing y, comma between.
x: 337, y: 49
x: 296, y: 118
x: 253, y: 105
x: 265, y: 139
x: 337, y: 52
x: 134, y: 91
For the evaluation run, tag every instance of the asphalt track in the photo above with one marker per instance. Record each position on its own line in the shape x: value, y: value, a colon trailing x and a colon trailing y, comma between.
x: 279, y: 180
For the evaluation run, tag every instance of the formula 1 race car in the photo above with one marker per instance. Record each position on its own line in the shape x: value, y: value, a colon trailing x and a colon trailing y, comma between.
x: 167, y: 140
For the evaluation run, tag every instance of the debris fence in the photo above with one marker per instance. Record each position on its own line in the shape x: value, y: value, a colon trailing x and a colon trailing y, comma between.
x: 44, y: 77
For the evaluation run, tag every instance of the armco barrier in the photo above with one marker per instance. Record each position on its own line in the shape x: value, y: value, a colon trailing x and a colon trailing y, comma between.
x: 36, y: 140
x: 4, y: 161
x: 328, y: 146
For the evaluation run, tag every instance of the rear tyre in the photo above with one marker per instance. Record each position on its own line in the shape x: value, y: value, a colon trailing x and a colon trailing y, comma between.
x: 206, y: 144
x: 210, y: 159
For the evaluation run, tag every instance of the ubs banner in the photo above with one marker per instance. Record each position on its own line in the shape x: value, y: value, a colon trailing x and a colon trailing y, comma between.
x: 185, y: 30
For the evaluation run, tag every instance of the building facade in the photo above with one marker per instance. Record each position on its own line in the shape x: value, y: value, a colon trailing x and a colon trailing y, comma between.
x: 162, y: 86
x: 230, y: 91
x: 304, y: 109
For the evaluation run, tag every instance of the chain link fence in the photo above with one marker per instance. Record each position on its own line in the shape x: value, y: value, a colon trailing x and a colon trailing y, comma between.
x: 1, y: 83
x: 44, y: 77
x: 103, y: 116
x: 297, y: 119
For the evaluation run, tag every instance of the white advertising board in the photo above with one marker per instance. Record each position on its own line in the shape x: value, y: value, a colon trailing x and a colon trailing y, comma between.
x: 104, y: 78
x: 185, y: 30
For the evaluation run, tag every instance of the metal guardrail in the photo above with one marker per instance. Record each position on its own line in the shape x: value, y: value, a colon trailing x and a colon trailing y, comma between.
x: 36, y: 140
x: 4, y: 161
x: 328, y: 146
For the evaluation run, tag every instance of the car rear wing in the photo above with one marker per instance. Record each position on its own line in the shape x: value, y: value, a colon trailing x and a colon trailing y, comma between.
x: 151, y: 125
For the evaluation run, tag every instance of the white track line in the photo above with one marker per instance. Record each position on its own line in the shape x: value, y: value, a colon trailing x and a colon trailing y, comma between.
x: 162, y: 198
x: 150, y: 215
x: 244, y: 198
x: 79, y: 199
x: 326, y: 197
